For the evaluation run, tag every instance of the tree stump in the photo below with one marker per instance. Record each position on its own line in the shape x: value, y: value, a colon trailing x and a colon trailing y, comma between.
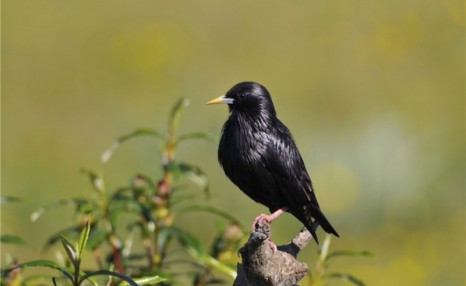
x: 264, y: 266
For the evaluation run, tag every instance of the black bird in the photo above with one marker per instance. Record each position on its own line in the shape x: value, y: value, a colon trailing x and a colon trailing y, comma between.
x: 258, y: 154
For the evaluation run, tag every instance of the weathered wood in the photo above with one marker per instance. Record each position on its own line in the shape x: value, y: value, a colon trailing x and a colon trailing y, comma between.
x: 262, y: 265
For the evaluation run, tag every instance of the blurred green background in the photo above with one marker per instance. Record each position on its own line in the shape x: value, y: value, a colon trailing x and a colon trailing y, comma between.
x: 373, y: 92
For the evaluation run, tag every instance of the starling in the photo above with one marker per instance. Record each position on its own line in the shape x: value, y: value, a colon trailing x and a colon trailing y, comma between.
x: 258, y: 154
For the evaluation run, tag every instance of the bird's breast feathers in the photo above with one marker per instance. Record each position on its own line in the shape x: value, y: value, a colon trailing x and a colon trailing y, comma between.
x: 251, y: 156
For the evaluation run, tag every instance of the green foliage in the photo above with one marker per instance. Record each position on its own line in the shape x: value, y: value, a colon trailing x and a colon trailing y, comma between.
x: 109, y: 223
x: 149, y: 207
x: 12, y: 239
x: 74, y: 274
x: 320, y: 275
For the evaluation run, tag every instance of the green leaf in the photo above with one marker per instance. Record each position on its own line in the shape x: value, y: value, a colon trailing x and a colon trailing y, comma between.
x: 96, y: 237
x: 143, y: 181
x: 185, y: 238
x: 196, y: 135
x: 145, y: 281
x: 70, y: 251
x: 136, y: 133
x: 194, y: 247
x: 345, y: 277
x: 12, y: 239
x: 120, y: 205
x: 83, y: 239
x: 323, y: 248
x: 9, y: 199
x: 108, y: 273
x: 205, y: 259
x: 122, y: 193
x: 38, y: 213
x: 40, y: 263
x: 96, y: 180
x: 214, y: 263
x: 349, y: 253
x: 72, y: 230
x: 207, y: 208
x: 196, y: 175
x: 175, y: 114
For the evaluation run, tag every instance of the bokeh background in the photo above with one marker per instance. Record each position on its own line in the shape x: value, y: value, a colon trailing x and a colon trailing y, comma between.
x: 373, y: 92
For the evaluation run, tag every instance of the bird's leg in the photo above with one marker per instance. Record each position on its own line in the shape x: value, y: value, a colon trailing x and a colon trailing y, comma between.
x: 268, y: 218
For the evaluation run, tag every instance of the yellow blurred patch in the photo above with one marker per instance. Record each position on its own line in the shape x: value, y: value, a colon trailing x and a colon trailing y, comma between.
x: 147, y: 49
x: 456, y: 11
x: 394, y: 40
x: 410, y: 271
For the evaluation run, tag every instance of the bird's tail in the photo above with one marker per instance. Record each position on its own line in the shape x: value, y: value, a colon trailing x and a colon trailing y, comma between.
x: 319, y: 219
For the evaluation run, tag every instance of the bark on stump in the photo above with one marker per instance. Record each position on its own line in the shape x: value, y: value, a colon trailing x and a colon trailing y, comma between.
x: 262, y: 266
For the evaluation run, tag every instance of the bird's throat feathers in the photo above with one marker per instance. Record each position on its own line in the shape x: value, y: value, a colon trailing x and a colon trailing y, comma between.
x: 247, y: 126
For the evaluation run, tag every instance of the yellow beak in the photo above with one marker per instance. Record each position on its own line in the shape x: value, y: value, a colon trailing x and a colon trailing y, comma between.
x: 221, y: 99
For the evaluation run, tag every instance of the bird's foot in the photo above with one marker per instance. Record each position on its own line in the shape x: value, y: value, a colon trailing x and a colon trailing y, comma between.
x: 260, y: 218
x: 268, y: 218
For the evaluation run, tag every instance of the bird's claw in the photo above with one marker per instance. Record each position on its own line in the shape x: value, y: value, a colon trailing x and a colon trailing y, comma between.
x: 268, y: 218
x: 260, y: 218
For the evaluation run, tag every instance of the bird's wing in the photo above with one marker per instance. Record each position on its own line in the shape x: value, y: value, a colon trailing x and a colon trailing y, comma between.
x: 287, y: 167
x: 283, y: 161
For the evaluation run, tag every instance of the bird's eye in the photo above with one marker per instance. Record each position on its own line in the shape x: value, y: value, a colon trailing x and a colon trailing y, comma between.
x: 241, y: 95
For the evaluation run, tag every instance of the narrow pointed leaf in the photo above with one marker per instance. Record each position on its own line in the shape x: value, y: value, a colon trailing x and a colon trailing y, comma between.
x: 194, y: 248
x: 136, y: 133
x: 349, y: 253
x: 96, y: 180
x: 196, y: 135
x: 108, y: 273
x: 207, y: 208
x: 214, y: 263
x: 345, y: 277
x: 123, y: 205
x: 41, y: 263
x: 83, y: 239
x: 185, y: 238
x: 143, y: 180
x: 145, y: 281
x: 39, y: 212
x: 9, y: 199
x: 196, y: 175
x: 12, y: 239
x: 323, y: 249
x: 70, y: 251
x: 206, y: 259
x: 96, y: 237
x: 175, y: 114
x: 55, y: 238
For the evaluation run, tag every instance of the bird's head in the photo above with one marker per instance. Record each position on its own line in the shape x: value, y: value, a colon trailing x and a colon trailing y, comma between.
x: 249, y: 98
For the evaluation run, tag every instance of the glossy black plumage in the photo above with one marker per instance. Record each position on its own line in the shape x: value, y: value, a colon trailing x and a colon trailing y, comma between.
x: 258, y: 154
